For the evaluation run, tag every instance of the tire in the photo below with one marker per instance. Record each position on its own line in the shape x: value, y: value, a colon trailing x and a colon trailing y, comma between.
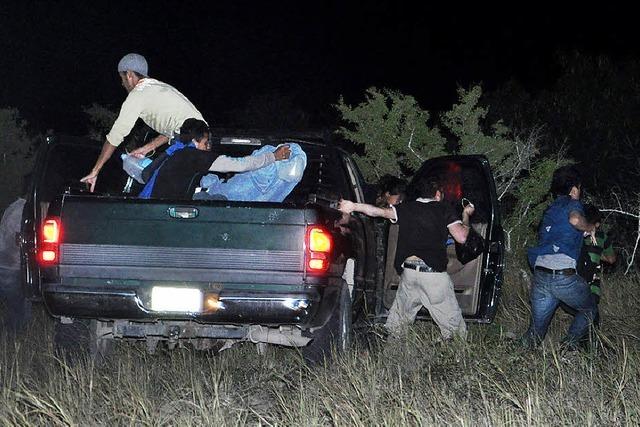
x: 71, y: 340
x: 83, y: 338
x: 100, y: 340
x: 335, y: 335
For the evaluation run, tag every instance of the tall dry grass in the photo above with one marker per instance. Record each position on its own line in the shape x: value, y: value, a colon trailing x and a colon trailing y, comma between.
x: 489, y: 380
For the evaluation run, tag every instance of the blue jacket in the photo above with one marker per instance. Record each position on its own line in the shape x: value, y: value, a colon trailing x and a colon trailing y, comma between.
x: 556, y: 235
x: 148, y: 188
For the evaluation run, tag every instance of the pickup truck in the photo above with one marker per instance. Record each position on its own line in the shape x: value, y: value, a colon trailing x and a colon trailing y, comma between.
x: 109, y: 266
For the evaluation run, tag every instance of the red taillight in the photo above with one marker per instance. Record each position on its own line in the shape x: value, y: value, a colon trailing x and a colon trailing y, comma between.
x: 319, y: 244
x: 319, y: 240
x: 50, y: 234
x: 51, y: 231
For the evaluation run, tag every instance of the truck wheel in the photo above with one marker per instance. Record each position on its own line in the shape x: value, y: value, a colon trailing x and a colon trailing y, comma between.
x: 76, y: 340
x: 335, y: 335
x: 100, y: 340
x: 70, y: 340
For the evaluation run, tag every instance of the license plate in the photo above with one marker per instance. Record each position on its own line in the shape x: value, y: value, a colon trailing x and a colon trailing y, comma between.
x: 176, y: 299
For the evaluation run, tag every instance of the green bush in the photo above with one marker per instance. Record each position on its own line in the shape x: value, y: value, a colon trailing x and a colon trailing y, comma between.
x: 396, y: 135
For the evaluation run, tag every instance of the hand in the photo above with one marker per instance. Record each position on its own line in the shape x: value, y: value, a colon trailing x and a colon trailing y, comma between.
x: 346, y: 206
x: 282, y: 153
x: 469, y: 209
x: 91, y: 179
x: 140, y: 152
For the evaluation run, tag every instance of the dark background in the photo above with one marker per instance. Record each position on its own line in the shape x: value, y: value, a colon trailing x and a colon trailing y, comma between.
x: 58, y: 56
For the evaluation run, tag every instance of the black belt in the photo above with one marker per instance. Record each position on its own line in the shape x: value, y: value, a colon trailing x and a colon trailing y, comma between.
x: 564, y: 271
x: 419, y: 267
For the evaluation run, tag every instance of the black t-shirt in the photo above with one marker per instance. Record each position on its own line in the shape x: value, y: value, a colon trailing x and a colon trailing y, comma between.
x: 177, y: 172
x: 423, y: 233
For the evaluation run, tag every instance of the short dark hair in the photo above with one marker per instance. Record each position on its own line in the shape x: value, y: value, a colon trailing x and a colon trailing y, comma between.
x: 564, y: 179
x: 428, y: 187
x: 135, y: 73
x: 592, y: 214
x: 392, y: 185
x: 193, y: 129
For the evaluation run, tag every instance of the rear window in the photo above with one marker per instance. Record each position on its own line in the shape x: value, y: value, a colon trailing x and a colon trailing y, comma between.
x: 325, y: 178
x: 460, y: 179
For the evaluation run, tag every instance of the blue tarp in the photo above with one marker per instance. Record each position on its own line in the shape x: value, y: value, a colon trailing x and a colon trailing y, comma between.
x: 272, y: 183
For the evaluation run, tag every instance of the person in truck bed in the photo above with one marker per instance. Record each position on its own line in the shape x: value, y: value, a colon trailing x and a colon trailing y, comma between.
x: 169, y: 176
x: 158, y: 104
x: 421, y: 257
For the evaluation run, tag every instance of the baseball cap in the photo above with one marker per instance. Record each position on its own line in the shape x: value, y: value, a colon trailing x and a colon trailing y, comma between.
x: 133, y: 62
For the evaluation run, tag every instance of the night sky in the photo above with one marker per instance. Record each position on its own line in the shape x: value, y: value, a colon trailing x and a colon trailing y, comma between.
x: 58, y: 56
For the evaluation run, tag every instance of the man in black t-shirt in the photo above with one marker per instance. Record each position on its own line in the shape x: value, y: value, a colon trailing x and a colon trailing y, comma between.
x: 421, y: 258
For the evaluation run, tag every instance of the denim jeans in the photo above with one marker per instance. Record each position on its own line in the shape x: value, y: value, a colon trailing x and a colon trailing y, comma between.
x: 548, y: 291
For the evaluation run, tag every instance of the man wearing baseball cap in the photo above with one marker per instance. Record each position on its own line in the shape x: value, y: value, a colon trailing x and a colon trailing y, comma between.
x: 161, y: 106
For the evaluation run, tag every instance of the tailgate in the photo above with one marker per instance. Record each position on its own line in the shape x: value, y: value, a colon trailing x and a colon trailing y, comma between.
x: 132, y: 239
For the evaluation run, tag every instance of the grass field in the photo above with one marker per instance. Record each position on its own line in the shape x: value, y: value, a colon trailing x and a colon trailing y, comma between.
x: 489, y: 380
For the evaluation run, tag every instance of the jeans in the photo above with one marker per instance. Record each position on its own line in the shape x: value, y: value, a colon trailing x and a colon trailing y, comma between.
x: 547, y: 292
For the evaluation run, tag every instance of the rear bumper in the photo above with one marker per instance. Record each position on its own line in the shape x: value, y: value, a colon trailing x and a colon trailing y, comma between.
x: 308, y: 307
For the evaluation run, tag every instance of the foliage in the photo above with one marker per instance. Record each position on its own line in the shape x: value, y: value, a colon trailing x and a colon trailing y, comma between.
x: 101, y: 118
x: 16, y: 155
x: 393, y: 132
x: 385, y: 122
x: 590, y: 111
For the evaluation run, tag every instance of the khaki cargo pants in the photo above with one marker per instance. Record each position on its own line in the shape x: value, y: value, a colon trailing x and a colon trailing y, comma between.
x: 435, y: 292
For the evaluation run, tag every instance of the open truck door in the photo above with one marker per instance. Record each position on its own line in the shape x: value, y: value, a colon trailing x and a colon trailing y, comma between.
x: 477, y: 283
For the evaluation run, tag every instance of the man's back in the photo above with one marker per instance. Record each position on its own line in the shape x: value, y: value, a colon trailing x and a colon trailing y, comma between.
x: 161, y: 106
x: 423, y: 232
x: 556, y: 236
x: 176, y: 173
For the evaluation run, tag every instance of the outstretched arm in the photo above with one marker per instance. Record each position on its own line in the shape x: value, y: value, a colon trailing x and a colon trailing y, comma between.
x: 347, y: 207
x: 249, y: 163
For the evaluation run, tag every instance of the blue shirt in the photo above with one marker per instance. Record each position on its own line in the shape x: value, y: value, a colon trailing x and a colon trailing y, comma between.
x: 556, y: 235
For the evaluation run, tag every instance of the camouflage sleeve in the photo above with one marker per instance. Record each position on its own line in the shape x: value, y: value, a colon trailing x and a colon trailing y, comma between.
x: 607, y: 247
